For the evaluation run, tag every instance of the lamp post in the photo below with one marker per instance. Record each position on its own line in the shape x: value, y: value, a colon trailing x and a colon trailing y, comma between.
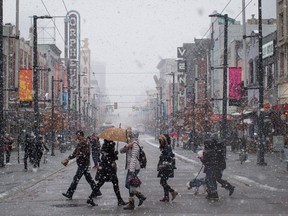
x: 225, y: 65
x: 53, y: 116
x: 35, y: 76
x: 1, y: 89
x: 261, y: 150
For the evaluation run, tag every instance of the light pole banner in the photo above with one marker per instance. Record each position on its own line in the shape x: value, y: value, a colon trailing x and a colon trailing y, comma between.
x: 25, y: 87
x: 235, y: 86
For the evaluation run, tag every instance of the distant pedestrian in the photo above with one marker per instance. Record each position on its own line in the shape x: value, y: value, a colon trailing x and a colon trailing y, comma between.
x: 8, y: 141
x: 28, y: 150
x: 107, y: 171
x: 165, y: 167
x: 132, y: 164
x: 214, y: 164
x: 82, y: 155
x: 40, y: 147
x: 95, y: 149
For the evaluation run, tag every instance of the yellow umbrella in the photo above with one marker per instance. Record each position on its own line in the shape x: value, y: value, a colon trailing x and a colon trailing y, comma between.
x: 114, y: 134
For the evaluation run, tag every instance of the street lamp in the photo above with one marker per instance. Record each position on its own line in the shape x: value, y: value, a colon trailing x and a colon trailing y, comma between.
x: 1, y: 89
x: 260, y: 159
x: 35, y: 76
x: 52, y: 116
x: 225, y: 65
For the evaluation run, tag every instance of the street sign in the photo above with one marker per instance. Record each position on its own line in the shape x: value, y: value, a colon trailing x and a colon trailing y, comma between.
x: 181, y: 66
x: 181, y: 52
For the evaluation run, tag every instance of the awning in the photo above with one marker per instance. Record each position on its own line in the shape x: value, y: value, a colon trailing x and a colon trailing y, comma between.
x: 280, y: 107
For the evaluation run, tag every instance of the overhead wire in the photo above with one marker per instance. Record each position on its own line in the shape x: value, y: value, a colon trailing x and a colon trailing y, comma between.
x: 53, y: 21
x: 65, y: 6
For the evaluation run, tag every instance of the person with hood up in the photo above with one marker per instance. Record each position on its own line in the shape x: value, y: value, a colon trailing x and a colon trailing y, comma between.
x: 165, y: 167
x: 214, y: 165
x: 107, y: 171
x: 132, y: 165
x: 82, y: 155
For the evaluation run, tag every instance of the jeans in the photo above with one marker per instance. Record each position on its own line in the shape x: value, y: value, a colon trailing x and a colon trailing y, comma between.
x: 211, y: 180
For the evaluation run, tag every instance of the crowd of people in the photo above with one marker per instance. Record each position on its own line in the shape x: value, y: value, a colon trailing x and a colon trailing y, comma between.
x: 104, y: 159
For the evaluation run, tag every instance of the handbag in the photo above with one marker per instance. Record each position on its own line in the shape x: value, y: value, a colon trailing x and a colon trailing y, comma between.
x: 134, y: 181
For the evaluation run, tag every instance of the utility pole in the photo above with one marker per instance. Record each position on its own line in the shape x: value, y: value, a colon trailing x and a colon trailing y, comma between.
x: 52, y: 118
x: 35, y: 79
x: 225, y: 66
x: 35, y: 76
x: 261, y: 151
x: 2, y: 130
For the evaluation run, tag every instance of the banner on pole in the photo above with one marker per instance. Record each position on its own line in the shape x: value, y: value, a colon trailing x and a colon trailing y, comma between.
x: 25, y: 87
x: 235, y: 86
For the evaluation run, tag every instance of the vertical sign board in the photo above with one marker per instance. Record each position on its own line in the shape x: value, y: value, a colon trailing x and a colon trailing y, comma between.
x: 235, y: 86
x: 73, y: 45
x: 25, y: 87
x: 181, y: 67
x: 85, y: 70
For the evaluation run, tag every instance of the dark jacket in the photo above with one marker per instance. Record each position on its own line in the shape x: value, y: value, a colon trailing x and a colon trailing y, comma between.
x: 166, y: 164
x: 213, y: 156
x: 81, y: 153
x: 95, y: 148
x: 107, y: 166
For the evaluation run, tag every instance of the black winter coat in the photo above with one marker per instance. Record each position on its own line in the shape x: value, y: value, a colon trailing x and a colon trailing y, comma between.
x: 214, y: 159
x: 107, y: 166
x: 166, y: 164
x: 81, y: 153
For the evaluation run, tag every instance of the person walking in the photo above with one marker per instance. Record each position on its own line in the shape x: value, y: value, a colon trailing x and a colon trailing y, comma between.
x: 82, y: 155
x: 28, y: 150
x: 214, y: 164
x: 95, y: 150
x: 165, y: 167
x: 39, y: 149
x: 8, y: 140
x: 107, y: 171
x: 132, y: 165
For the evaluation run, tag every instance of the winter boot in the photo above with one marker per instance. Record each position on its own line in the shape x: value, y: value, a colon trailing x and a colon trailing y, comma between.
x: 165, y: 199
x: 229, y: 187
x: 130, y: 205
x: 67, y: 195
x: 91, y: 202
x: 121, y: 202
x: 141, y: 198
x: 212, y: 196
x: 174, y: 194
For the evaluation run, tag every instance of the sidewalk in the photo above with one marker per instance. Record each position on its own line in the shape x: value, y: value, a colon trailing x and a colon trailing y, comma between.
x: 13, y: 177
x: 272, y: 177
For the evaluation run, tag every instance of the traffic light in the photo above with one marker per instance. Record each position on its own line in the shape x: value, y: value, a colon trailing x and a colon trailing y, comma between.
x: 286, y: 113
x: 115, y: 105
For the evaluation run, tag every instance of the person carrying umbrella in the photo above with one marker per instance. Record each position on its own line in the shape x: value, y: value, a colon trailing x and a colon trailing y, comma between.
x: 107, y: 171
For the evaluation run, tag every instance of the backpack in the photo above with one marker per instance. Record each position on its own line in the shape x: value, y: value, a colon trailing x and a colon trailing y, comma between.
x: 142, y: 157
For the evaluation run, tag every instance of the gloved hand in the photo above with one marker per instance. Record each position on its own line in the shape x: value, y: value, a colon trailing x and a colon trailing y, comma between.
x: 65, y: 162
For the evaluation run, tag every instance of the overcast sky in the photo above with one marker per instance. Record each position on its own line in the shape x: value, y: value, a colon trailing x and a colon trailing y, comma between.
x: 131, y: 36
